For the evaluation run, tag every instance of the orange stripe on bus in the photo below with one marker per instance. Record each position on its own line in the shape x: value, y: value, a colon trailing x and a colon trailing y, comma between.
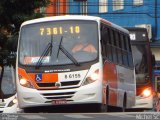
x: 113, y: 98
x: 23, y: 73
x: 110, y: 78
x: 46, y: 77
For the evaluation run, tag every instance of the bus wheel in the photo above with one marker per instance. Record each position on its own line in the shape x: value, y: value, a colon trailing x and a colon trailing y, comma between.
x: 26, y: 110
x: 107, y: 99
x: 105, y: 107
x: 29, y: 110
x: 124, y: 103
x: 101, y: 108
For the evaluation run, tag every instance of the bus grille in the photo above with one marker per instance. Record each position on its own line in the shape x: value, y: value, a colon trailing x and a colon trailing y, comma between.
x: 63, y: 84
x: 61, y: 95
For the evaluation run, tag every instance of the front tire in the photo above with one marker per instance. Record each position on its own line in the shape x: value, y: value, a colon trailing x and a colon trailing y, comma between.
x: 124, y: 103
x: 107, y: 99
x: 101, y: 108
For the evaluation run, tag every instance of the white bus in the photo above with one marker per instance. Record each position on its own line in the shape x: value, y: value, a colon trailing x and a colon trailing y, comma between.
x: 69, y: 60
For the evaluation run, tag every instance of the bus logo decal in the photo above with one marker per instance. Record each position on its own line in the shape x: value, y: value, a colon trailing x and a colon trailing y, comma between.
x: 38, y: 77
x: 58, y: 84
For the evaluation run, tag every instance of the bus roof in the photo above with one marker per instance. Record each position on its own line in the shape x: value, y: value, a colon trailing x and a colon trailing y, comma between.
x: 74, y: 17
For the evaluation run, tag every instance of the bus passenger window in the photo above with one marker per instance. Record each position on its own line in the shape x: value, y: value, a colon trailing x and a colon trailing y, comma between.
x: 119, y: 49
x: 109, y: 46
x: 114, y: 52
x: 103, y: 44
x: 124, y: 51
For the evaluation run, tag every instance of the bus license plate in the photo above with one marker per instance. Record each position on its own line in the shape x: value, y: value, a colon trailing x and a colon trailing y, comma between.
x: 59, y: 101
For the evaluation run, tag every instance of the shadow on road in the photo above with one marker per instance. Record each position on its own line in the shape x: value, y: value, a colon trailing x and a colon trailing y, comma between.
x: 63, y: 109
x: 74, y: 109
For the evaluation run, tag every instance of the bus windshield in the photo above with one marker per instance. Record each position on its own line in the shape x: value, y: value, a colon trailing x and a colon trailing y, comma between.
x: 58, y: 42
x: 8, y: 82
x: 140, y: 62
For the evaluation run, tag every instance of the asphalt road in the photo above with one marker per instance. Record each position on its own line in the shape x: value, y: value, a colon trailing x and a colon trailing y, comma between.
x: 83, y: 116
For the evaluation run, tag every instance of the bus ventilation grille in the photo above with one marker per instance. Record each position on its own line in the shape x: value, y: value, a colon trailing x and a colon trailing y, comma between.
x: 61, y: 95
x: 63, y: 84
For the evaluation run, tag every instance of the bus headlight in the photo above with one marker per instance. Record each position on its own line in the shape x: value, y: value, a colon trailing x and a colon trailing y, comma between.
x: 92, y: 78
x: 146, y: 92
x: 25, y: 83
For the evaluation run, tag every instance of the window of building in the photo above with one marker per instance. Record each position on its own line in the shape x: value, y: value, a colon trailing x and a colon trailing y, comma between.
x: 84, y: 8
x: 103, y: 6
x: 137, y: 2
x: 118, y: 4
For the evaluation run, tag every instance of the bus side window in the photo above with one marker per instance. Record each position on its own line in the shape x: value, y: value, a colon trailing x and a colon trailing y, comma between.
x: 106, y: 40
x: 114, y: 52
x: 130, y: 61
x: 109, y: 46
x: 103, y: 44
x: 118, y: 45
x: 124, y: 51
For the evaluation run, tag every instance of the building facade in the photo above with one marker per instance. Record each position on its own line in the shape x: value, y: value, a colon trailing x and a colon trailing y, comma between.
x: 126, y: 13
x: 56, y: 7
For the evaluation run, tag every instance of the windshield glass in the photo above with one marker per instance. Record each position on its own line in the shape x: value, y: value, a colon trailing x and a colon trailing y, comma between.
x: 140, y: 63
x: 78, y: 39
x: 8, y: 81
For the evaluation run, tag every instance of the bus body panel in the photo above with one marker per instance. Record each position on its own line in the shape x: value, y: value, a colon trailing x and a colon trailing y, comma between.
x: 80, y: 95
x: 84, y: 95
x: 110, y: 77
x: 120, y: 81
x: 94, y: 92
x: 144, y: 103
x: 127, y: 84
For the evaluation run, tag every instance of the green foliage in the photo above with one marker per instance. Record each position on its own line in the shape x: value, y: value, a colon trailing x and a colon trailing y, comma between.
x: 17, y: 11
x: 12, y: 14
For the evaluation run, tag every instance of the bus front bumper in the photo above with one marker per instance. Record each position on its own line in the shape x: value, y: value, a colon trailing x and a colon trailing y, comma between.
x: 91, y: 93
x: 144, y: 103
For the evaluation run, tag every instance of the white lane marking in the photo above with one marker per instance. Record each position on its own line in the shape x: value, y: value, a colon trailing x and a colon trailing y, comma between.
x: 33, y: 117
x: 121, y: 115
x: 78, y: 116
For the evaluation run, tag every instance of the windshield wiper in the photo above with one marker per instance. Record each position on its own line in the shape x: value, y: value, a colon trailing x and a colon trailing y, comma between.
x: 45, y: 53
x: 59, y: 46
x: 66, y: 53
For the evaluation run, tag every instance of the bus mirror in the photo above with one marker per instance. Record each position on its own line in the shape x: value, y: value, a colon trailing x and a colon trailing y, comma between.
x: 153, y: 60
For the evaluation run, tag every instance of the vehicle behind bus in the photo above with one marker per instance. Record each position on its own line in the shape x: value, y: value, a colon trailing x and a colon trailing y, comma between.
x: 64, y: 60
x: 143, y: 61
x: 8, y: 103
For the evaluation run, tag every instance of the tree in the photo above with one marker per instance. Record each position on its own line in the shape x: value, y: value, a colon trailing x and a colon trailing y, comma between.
x: 12, y: 14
